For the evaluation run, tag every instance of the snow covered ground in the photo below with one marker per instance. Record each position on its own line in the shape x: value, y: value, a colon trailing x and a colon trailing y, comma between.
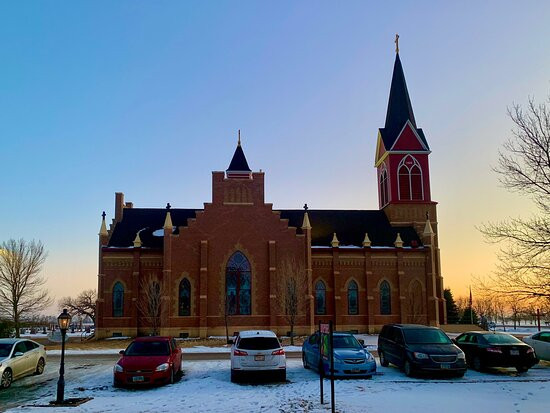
x: 206, y: 388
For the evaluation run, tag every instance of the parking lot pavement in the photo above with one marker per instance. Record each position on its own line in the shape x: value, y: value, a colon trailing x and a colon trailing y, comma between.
x: 206, y: 386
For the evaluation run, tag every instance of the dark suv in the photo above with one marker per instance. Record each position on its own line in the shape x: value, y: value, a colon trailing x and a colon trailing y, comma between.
x: 416, y: 348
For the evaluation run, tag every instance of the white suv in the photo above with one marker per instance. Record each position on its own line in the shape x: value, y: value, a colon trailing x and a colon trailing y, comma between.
x: 257, y: 351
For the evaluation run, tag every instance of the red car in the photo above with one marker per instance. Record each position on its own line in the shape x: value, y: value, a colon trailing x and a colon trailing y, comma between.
x: 148, y: 361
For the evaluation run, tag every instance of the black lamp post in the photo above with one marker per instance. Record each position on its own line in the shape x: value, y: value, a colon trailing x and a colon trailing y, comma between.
x: 63, y: 321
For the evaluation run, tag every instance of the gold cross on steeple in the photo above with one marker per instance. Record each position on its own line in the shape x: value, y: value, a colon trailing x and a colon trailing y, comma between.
x: 396, y: 43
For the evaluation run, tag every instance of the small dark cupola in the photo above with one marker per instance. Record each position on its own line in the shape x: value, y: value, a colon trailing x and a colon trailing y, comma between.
x: 238, y: 168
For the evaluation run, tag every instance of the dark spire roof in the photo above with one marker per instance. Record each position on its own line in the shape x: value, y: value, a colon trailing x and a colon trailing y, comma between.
x: 399, y: 108
x: 238, y: 163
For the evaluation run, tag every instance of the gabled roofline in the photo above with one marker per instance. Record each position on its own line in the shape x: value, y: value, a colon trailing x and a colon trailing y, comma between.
x: 408, y: 122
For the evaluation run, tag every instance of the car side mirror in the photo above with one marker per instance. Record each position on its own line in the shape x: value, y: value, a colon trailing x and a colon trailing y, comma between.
x: 18, y: 354
x: 231, y: 341
x: 121, y: 352
x: 454, y: 340
x: 362, y: 342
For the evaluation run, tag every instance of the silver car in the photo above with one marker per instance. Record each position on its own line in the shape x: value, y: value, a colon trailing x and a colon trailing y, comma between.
x: 19, y: 358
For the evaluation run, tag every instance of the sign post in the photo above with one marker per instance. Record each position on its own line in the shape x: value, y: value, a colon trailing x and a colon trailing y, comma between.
x: 326, y: 345
x: 332, y: 402
x: 321, y: 367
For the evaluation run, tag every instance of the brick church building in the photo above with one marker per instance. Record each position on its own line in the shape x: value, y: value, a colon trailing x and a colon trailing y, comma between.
x: 226, y: 263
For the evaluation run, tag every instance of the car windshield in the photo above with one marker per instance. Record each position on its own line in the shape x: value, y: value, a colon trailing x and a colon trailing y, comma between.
x: 425, y: 336
x: 258, y: 343
x: 500, y: 339
x: 346, y: 342
x: 148, y: 348
x: 5, y: 349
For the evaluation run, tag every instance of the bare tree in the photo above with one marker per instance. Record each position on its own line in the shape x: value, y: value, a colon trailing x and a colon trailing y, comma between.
x: 84, y: 304
x: 291, y: 292
x: 415, y: 306
x: 524, y: 167
x: 22, y: 292
x: 149, y: 304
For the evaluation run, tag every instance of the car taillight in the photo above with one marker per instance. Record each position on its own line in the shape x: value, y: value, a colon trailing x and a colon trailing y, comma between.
x: 494, y: 350
x: 279, y: 352
x: 239, y: 353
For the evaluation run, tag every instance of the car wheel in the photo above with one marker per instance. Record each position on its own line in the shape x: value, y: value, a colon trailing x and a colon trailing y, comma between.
x: 40, y: 366
x: 383, y: 361
x: 407, y: 368
x: 234, y: 377
x: 304, y: 361
x: 476, y: 363
x: 368, y: 377
x: 522, y: 369
x: 7, y: 378
x: 282, y: 375
x: 171, y: 381
x: 459, y: 375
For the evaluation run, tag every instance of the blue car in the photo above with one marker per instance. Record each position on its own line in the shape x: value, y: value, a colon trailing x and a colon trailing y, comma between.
x: 351, y: 359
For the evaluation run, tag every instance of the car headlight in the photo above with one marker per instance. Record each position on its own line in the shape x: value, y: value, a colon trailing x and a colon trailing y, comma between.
x: 162, y: 367
x: 118, y: 368
x: 420, y: 356
x: 369, y: 357
x: 461, y: 356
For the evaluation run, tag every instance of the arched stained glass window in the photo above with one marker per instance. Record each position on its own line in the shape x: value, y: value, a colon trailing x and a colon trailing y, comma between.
x: 410, y: 179
x: 404, y: 183
x: 118, y: 299
x: 353, y: 298
x: 320, y: 298
x: 385, y: 298
x: 384, y: 192
x: 237, y: 285
x: 184, y: 298
x: 416, y: 183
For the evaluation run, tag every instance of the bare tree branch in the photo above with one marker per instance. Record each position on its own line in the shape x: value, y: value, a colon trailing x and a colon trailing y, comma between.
x: 21, y: 285
x: 524, y: 167
x: 149, y: 306
x: 84, y: 304
x: 290, y: 292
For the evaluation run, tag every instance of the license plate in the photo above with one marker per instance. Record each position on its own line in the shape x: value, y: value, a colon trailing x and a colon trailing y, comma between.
x: 514, y: 352
x: 259, y: 358
x: 355, y: 370
x: 137, y: 378
x: 445, y: 366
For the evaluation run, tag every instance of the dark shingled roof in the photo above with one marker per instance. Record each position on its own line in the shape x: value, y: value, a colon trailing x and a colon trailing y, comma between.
x: 399, y: 108
x: 238, y: 163
x: 350, y: 226
x: 148, y: 220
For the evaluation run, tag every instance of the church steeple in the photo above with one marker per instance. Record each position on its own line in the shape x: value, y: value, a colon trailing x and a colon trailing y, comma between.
x: 399, y: 105
x: 238, y: 168
x: 402, y: 150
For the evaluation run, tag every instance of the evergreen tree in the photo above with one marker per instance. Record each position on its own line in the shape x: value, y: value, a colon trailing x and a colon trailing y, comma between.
x: 466, y: 319
x: 452, y: 309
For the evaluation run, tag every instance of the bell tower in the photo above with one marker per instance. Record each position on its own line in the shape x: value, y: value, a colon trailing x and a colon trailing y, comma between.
x: 402, y: 159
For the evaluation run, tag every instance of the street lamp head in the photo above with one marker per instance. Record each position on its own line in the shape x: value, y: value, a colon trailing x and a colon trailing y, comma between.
x: 64, y: 320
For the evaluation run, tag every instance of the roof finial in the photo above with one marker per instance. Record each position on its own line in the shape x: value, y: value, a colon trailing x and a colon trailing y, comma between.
x: 396, y: 43
x: 239, y: 142
x: 306, y: 207
x: 168, y: 206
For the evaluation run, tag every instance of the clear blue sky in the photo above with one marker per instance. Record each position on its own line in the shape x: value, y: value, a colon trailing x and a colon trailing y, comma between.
x: 146, y: 98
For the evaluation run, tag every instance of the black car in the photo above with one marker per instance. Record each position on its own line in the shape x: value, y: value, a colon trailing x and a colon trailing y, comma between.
x: 488, y: 349
x: 417, y: 348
